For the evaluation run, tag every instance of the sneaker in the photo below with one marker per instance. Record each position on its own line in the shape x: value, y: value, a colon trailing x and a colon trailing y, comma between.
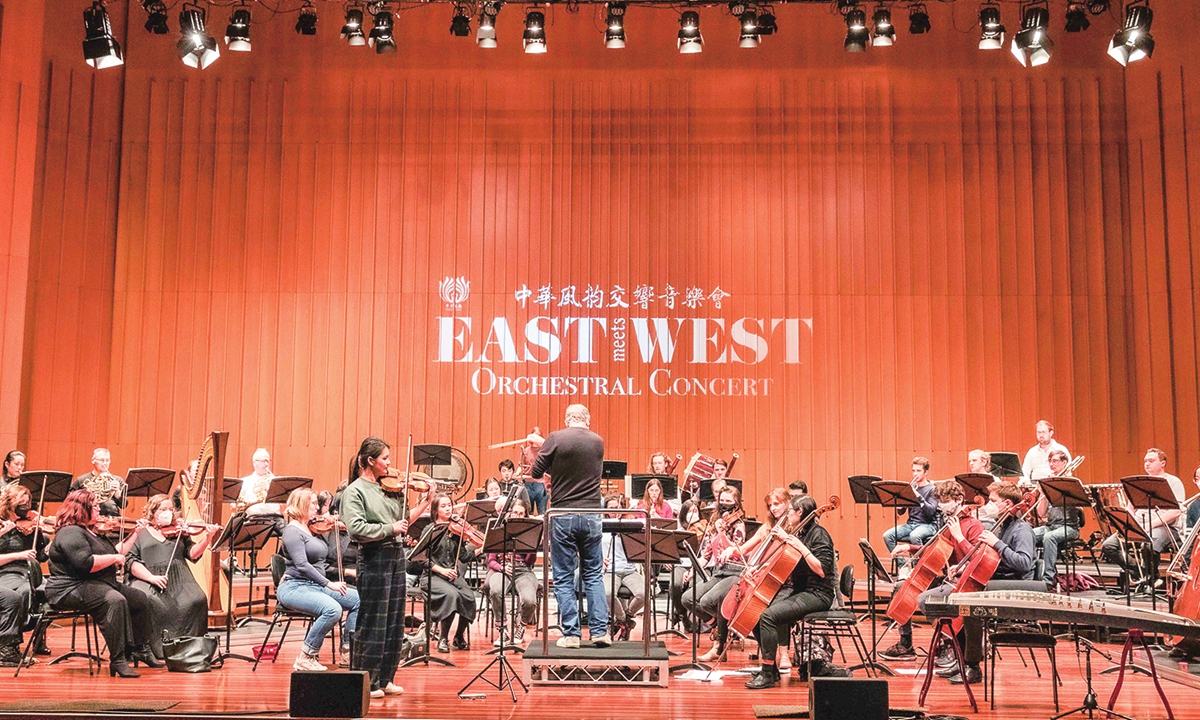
x: 568, y: 641
x: 519, y: 635
x: 307, y: 663
x: 828, y: 669
x: 500, y: 639
x: 945, y: 658
x: 903, y: 572
x: 377, y: 693
x: 393, y: 689
x: 899, y: 651
x: 602, y: 641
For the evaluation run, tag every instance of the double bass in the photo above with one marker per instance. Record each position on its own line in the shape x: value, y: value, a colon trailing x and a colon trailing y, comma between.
x: 763, y: 577
x: 931, y: 562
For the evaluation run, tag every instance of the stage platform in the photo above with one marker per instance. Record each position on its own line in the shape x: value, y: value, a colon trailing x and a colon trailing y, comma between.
x: 623, y: 663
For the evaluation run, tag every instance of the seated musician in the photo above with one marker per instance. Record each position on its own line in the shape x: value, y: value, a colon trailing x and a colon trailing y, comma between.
x: 920, y: 526
x: 1161, y: 525
x: 158, y: 566
x: 109, y: 489
x: 19, y: 571
x: 492, y: 489
x: 514, y: 574
x: 704, y: 602
x: 618, y: 570
x: 654, y: 502
x: 1054, y: 528
x: 327, y: 507
x: 14, y: 465
x: 980, y: 463
x: 256, y: 487
x: 796, y: 488
x: 964, y: 533
x: 306, y: 588
x: 1193, y: 508
x: 450, y: 594
x: 1015, y: 547
x: 810, y: 588
x: 83, y: 576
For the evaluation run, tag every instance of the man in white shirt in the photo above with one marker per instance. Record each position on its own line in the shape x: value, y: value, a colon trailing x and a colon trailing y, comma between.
x: 256, y: 486
x: 1037, y: 460
x: 1162, y: 525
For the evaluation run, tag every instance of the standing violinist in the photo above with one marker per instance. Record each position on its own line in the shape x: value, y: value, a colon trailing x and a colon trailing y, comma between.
x: 158, y: 567
x: 964, y: 533
x: 726, y: 528
x: 809, y: 589
x: 450, y: 594
x: 18, y: 562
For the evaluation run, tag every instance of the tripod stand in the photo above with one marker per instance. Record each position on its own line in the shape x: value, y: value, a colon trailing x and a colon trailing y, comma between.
x: 235, y: 533
x: 433, y: 535
x: 507, y: 537
x: 1090, y: 704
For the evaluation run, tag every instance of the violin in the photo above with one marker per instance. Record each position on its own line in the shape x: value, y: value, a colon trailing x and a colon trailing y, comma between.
x: 401, y: 480
x: 323, y: 524
x: 466, y: 532
x: 191, y: 529
x: 114, y: 523
x: 33, y: 521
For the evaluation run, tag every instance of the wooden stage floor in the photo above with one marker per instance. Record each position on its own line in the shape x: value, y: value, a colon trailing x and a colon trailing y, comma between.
x: 432, y: 692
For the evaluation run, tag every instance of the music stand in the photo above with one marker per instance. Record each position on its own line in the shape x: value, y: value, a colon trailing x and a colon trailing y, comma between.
x: 145, y: 482
x: 283, y: 485
x: 430, y: 455
x: 864, y: 493
x: 1153, y: 494
x: 58, y: 484
x: 227, y: 540
x: 253, y: 529
x: 670, y: 485
x: 614, y: 470
x: 976, y: 483
x: 896, y: 494
x: 514, y: 535
x: 875, y: 569
x: 1006, y: 464
x: 231, y: 487
x: 664, y: 550
x: 697, y: 574
x: 1065, y: 492
x: 479, y: 512
x: 418, y: 556
x: 1129, y: 527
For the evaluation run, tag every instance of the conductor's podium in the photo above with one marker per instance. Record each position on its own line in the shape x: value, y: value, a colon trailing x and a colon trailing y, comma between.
x: 623, y: 663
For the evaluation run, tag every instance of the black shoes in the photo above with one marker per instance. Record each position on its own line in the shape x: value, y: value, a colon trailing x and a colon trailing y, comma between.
x: 972, y: 676
x: 820, y: 668
x: 120, y: 668
x: 461, y: 643
x: 767, y: 677
x: 146, y: 657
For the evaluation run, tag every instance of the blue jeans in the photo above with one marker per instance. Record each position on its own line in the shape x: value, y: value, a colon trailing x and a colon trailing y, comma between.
x: 323, y: 604
x: 537, y: 496
x: 912, y: 534
x: 1050, y: 539
x: 576, y: 539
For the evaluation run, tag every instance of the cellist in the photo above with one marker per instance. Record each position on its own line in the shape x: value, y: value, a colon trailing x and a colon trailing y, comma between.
x: 963, y: 532
x: 809, y: 589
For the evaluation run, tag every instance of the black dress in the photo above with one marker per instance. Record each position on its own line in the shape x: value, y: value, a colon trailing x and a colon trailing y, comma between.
x: 16, y: 585
x: 122, y: 612
x: 181, y: 610
x: 448, y: 597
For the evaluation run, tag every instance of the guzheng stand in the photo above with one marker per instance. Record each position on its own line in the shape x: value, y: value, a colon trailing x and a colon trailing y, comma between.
x: 507, y: 537
x: 1136, y: 636
x: 944, y: 624
x: 1065, y: 492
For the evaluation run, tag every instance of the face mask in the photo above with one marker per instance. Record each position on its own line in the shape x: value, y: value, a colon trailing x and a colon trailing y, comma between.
x: 727, y: 507
x: 22, y: 510
x: 989, y: 510
x: 166, y: 517
x: 947, y: 508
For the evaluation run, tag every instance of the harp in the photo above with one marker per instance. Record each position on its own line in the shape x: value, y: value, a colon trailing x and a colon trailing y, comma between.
x: 202, y: 502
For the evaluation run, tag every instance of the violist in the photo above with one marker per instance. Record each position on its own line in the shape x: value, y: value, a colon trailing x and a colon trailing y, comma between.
x: 19, y: 572
x: 723, y: 531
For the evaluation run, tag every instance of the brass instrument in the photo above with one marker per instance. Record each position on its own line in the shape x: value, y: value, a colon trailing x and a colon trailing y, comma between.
x: 104, y: 486
x: 1074, y: 463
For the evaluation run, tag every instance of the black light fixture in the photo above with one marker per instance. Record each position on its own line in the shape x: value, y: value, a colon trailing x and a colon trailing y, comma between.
x: 1098, y: 7
x: 352, y: 31
x: 857, y: 35
x: 237, y: 33
x: 156, y: 20
x: 1032, y: 45
x: 1133, y: 42
x: 1077, y: 19
x: 460, y: 24
x: 100, y: 49
x: 485, y: 36
x: 690, y: 41
x: 534, y: 37
x: 306, y: 24
x: 766, y: 22
x: 381, y: 33
x: 197, y: 49
x: 747, y: 23
x: 991, y: 31
x: 918, y: 19
x: 884, y: 31
x: 614, y: 26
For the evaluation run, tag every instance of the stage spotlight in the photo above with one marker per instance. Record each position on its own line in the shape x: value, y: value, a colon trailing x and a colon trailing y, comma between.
x: 237, y: 33
x: 690, y: 40
x: 1098, y: 7
x: 352, y: 31
x: 991, y: 32
x: 748, y: 21
x: 1133, y: 42
x: 885, y: 31
x: 1077, y: 20
x: 857, y: 35
x: 614, y: 26
x: 766, y: 22
x: 197, y: 49
x: 100, y: 49
x: 381, y: 33
x: 156, y: 22
x: 1032, y: 45
x: 485, y: 36
x: 306, y: 24
x: 460, y: 24
x: 534, y: 37
x: 918, y: 19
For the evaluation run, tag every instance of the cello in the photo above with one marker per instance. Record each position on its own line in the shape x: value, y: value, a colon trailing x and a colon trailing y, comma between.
x: 761, y: 579
x: 931, y: 562
x: 1186, y: 602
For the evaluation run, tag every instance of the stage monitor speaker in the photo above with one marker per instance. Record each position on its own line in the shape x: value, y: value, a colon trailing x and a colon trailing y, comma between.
x: 340, y: 694
x: 849, y: 699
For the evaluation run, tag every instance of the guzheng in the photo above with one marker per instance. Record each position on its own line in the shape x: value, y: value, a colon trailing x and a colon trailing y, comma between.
x: 1028, y: 605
